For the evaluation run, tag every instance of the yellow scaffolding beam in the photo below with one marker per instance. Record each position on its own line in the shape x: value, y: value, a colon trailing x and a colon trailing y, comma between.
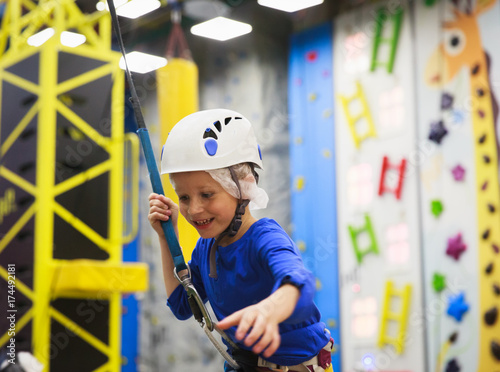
x: 56, y: 278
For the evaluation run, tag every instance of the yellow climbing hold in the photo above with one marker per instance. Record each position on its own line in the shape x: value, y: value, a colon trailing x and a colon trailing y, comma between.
x: 312, y: 97
x: 332, y: 323
x: 300, y: 183
x: 298, y: 140
x: 301, y: 245
x: 327, y: 113
x: 327, y: 153
x: 318, y: 284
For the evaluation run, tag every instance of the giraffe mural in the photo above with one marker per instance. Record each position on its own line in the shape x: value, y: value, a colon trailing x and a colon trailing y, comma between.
x: 462, y: 48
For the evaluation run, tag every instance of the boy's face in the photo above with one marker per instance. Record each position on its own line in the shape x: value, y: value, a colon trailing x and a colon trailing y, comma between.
x: 204, y: 203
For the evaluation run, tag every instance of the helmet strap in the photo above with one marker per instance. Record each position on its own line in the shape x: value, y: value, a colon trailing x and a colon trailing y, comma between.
x: 233, y: 227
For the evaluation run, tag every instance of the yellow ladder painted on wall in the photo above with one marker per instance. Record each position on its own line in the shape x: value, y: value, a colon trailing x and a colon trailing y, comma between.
x: 353, y: 119
x: 389, y: 315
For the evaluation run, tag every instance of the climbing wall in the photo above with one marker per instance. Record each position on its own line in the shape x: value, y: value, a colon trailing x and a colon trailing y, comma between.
x: 377, y: 190
x: 459, y: 182
x: 312, y: 167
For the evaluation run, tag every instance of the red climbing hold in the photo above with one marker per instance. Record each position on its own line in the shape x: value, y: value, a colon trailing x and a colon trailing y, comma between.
x: 312, y: 56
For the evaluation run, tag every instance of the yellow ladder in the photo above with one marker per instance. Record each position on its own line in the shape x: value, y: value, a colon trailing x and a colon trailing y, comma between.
x: 352, y: 120
x: 389, y: 315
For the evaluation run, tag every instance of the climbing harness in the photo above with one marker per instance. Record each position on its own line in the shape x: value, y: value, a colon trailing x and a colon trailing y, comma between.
x: 181, y: 271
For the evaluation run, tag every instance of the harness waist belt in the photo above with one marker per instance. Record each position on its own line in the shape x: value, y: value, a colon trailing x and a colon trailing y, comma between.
x: 247, y: 358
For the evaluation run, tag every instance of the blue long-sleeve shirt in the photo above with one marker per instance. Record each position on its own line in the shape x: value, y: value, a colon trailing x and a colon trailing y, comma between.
x: 249, y: 270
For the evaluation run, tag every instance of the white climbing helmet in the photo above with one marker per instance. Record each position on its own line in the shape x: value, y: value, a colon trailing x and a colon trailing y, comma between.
x: 210, y: 139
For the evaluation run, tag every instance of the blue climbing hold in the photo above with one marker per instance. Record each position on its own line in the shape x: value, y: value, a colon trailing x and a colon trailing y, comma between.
x: 211, y: 146
x: 457, y: 306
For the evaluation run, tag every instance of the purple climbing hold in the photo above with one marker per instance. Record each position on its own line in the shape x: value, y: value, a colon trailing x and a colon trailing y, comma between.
x: 456, y: 246
x: 458, y: 172
x: 438, y: 131
x: 446, y: 101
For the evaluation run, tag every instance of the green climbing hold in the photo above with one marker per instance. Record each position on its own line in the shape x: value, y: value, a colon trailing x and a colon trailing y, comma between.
x: 436, y: 208
x: 438, y: 282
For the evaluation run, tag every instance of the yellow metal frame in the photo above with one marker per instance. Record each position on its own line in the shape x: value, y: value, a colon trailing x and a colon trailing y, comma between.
x: 24, y: 18
x: 364, y: 114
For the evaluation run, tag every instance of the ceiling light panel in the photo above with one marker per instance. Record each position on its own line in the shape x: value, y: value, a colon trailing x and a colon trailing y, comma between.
x: 136, y: 8
x: 290, y: 5
x: 221, y: 29
x: 142, y: 62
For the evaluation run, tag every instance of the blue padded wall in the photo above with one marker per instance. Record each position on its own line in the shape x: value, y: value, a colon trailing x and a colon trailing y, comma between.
x: 312, y: 162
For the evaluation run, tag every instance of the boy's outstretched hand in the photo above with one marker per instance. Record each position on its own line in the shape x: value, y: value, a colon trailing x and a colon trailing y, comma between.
x: 260, y: 322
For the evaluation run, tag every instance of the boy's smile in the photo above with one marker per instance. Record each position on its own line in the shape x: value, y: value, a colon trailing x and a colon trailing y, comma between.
x: 204, y: 203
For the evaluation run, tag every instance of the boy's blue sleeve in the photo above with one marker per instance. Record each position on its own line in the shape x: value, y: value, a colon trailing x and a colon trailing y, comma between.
x: 285, y: 263
x: 178, y: 299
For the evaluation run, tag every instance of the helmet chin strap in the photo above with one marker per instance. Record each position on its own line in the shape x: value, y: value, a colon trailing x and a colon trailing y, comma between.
x: 233, y: 227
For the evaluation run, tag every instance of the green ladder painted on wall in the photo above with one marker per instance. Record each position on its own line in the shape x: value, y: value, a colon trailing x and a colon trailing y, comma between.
x: 383, y: 15
x: 355, y: 232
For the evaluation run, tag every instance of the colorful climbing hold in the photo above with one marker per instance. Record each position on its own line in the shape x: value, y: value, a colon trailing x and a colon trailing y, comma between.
x: 326, y: 153
x: 458, y: 172
x: 312, y: 56
x: 301, y: 245
x: 327, y: 113
x: 436, y: 208
x: 446, y: 101
x: 456, y: 246
x: 438, y: 282
x: 457, y: 306
x: 453, y: 366
x: 437, y: 132
x: 300, y: 183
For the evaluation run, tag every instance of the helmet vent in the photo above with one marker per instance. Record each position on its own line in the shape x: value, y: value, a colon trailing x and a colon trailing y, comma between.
x: 237, y: 118
x: 227, y: 120
x: 218, y: 125
x: 210, y: 133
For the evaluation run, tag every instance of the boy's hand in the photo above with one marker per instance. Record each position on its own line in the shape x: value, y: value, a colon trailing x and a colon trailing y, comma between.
x: 260, y: 322
x: 261, y: 319
x: 162, y: 208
